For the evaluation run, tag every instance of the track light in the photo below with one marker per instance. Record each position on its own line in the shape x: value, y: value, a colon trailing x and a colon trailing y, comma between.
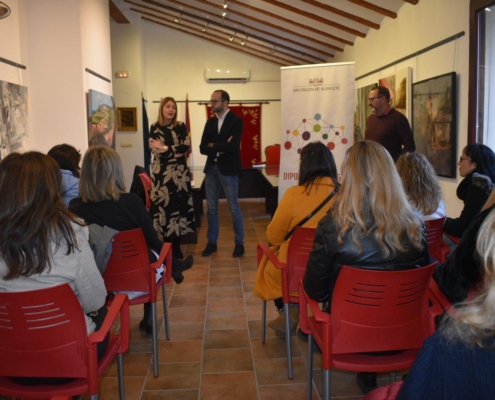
x: 224, y: 14
x: 224, y: 4
x: 205, y: 27
x: 177, y: 20
x: 232, y: 37
x: 243, y: 41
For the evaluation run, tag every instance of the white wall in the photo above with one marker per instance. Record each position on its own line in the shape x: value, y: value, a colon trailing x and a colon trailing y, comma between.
x: 415, y: 28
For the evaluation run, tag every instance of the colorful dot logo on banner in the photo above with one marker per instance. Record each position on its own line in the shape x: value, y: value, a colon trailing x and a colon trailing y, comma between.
x: 315, y: 129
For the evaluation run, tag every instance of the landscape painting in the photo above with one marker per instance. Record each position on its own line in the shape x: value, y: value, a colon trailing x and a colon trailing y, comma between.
x: 101, y: 119
x: 13, y: 117
x: 434, y: 116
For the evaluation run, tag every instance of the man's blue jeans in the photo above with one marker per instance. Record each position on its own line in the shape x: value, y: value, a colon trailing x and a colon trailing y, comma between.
x: 214, y: 180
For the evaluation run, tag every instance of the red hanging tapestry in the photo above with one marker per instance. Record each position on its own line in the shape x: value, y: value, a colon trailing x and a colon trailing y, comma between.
x: 251, y: 138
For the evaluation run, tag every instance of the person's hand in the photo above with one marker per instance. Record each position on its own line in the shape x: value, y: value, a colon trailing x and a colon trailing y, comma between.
x: 210, y: 144
x: 156, y: 144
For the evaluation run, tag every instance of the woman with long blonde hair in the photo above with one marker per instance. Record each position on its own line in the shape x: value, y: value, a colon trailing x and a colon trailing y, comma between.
x: 371, y: 225
x: 457, y: 362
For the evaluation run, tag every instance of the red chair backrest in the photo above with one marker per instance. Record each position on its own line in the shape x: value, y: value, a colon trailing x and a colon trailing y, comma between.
x: 43, y: 333
x: 435, y: 237
x: 301, y: 244
x: 128, y: 268
x: 380, y: 310
x: 147, y: 187
x: 272, y: 154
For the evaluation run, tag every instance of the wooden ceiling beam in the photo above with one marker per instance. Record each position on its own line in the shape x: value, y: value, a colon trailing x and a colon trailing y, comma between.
x: 412, y: 1
x: 344, y: 14
x: 372, y: 7
x: 229, y: 45
x: 314, y: 17
x: 287, y: 21
x: 117, y: 15
x: 220, y: 33
x: 283, y: 39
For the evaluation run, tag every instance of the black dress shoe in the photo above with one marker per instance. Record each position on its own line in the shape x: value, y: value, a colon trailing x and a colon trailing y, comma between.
x: 366, y: 381
x: 177, y: 277
x: 209, y: 249
x: 238, y: 251
x: 182, y: 265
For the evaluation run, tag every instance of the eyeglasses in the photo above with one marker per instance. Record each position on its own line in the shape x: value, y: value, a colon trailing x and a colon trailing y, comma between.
x: 370, y: 99
x: 215, y: 101
x: 463, y: 158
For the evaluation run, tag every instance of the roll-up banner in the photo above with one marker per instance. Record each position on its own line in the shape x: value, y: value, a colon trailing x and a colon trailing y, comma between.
x: 317, y: 105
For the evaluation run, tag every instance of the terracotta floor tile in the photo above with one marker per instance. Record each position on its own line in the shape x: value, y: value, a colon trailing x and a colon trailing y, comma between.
x: 248, y: 276
x: 255, y: 311
x: 170, y: 395
x: 195, y: 277
x: 187, y: 314
x: 274, y: 371
x: 109, y: 388
x: 174, y: 352
x: 223, y: 306
x: 343, y: 383
x: 225, y: 293
x: 255, y: 330
x: 175, y: 376
x: 184, y: 331
x: 140, y: 343
x: 229, y: 263
x: 229, y: 281
x: 224, y: 272
x: 191, y: 288
x: 238, y: 386
x: 249, y: 265
x: 135, y: 364
x: 228, y: 338
x: 187, y: 301
x: 284, y: 392
x: 227, y: 360
x: 226, y: 321
x: 274, y: 347
x: 252, y: 299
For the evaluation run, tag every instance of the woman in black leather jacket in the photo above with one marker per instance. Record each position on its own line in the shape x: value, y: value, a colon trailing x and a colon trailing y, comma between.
x: 371, y: 225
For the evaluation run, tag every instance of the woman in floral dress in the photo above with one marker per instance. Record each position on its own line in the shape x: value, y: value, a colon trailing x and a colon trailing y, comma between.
x: 171, y: 200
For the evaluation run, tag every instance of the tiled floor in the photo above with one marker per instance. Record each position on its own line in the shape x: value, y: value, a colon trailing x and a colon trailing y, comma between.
x: 215, y: 351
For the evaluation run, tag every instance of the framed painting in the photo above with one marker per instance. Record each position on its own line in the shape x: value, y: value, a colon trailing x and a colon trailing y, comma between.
x: 13, y: 117
x: 127, y: 118
x: 101, y: 119
x: 434, y: 122
x: 399, y: 85
x: 362, y: 111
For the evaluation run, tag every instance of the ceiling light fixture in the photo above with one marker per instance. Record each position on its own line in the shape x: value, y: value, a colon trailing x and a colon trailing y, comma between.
x: 243, y: 41
x: 205, y: 27
x: 232, y: 37
x: 224, y: 4
x: 177, y: 20
x: 488, y: 9
x: 272, y: 51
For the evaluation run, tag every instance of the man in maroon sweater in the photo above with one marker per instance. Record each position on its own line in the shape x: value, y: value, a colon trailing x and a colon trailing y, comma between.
x: 388, y: 126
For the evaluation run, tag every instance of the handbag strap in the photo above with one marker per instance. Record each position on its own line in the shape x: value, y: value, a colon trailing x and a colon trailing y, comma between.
x: 310, y: 215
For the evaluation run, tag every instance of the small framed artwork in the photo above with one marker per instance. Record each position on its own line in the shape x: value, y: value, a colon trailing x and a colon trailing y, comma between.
x: 127, y: 118
x: 434, y: 122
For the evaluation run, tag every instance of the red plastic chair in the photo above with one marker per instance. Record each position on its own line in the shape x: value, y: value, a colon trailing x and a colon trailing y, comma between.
x: 146, y: 180
x: 129, y: 270
x: 272, y: 154
x: 435, y: 239
x: 371, y: 311
x: 43, y: 334
x: 300, y: 246
x: 389, y: 392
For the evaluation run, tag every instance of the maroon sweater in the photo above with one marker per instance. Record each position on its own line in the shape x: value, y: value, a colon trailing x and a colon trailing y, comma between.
x: 392, y: 131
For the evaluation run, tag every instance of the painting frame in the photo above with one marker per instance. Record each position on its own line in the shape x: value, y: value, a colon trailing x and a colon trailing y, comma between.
x: 101, y: 119
x: 434, y: 105
x: 127, y: 119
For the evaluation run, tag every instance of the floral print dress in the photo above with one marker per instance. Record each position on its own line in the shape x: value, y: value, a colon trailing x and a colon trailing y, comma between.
x: 171, y: 200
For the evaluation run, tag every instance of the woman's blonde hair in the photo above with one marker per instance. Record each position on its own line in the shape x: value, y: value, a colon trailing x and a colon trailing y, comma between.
x: 371, y: 198
x: 161, y: 120
x: 102, y: 177
x: 475, y: 320
x: 490, y: 202
x: 420, y: 182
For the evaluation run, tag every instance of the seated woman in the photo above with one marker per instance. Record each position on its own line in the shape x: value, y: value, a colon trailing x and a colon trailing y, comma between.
x: 371, y: 225
x: 68, y: 159
x: 421, y: 185
x: 41, y: 243
x: 102, y: 200
x: 457, y: 361
x: 463, y: 270
x: 317, y: 187
x: 477, y: 167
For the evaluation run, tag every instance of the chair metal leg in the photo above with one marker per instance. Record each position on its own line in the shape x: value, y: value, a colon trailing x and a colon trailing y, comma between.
x: 310, y: 368
x: 326, y: 384
x: 290, y: 372
x: 263, y: 322
x: 393, y: 376
x: 155, y: 340
x: 120, y: 369
x: 165, y: 312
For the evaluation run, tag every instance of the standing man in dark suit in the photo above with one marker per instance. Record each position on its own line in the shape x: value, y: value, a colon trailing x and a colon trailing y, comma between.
x: 221, y: 142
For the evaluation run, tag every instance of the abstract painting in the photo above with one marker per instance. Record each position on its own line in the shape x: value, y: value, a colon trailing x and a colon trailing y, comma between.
x: 13, y: 117
x: 101, y: 119
x: 434, y: 116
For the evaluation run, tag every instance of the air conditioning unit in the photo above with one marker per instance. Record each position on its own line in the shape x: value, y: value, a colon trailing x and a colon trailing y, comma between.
x: 227, y: 75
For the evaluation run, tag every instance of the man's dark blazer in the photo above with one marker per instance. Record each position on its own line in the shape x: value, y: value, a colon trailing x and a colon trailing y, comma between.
x: 229, y: 162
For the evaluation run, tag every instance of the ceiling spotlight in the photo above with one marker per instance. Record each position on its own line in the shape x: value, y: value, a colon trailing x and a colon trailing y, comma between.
x: 243, y: 41
x: 224, y: 4
x: 224, y: 14
x: 205, y: 27
x: 488, y: 9
x: 232, y: 37
x: 272, y: 51
x: 177, y: 20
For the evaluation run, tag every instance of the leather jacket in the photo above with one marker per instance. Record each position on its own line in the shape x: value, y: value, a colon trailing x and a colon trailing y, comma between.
x: 327, y: 258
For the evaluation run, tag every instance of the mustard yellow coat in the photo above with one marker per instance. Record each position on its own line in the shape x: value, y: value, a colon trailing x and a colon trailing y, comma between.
x: 292, y: 209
